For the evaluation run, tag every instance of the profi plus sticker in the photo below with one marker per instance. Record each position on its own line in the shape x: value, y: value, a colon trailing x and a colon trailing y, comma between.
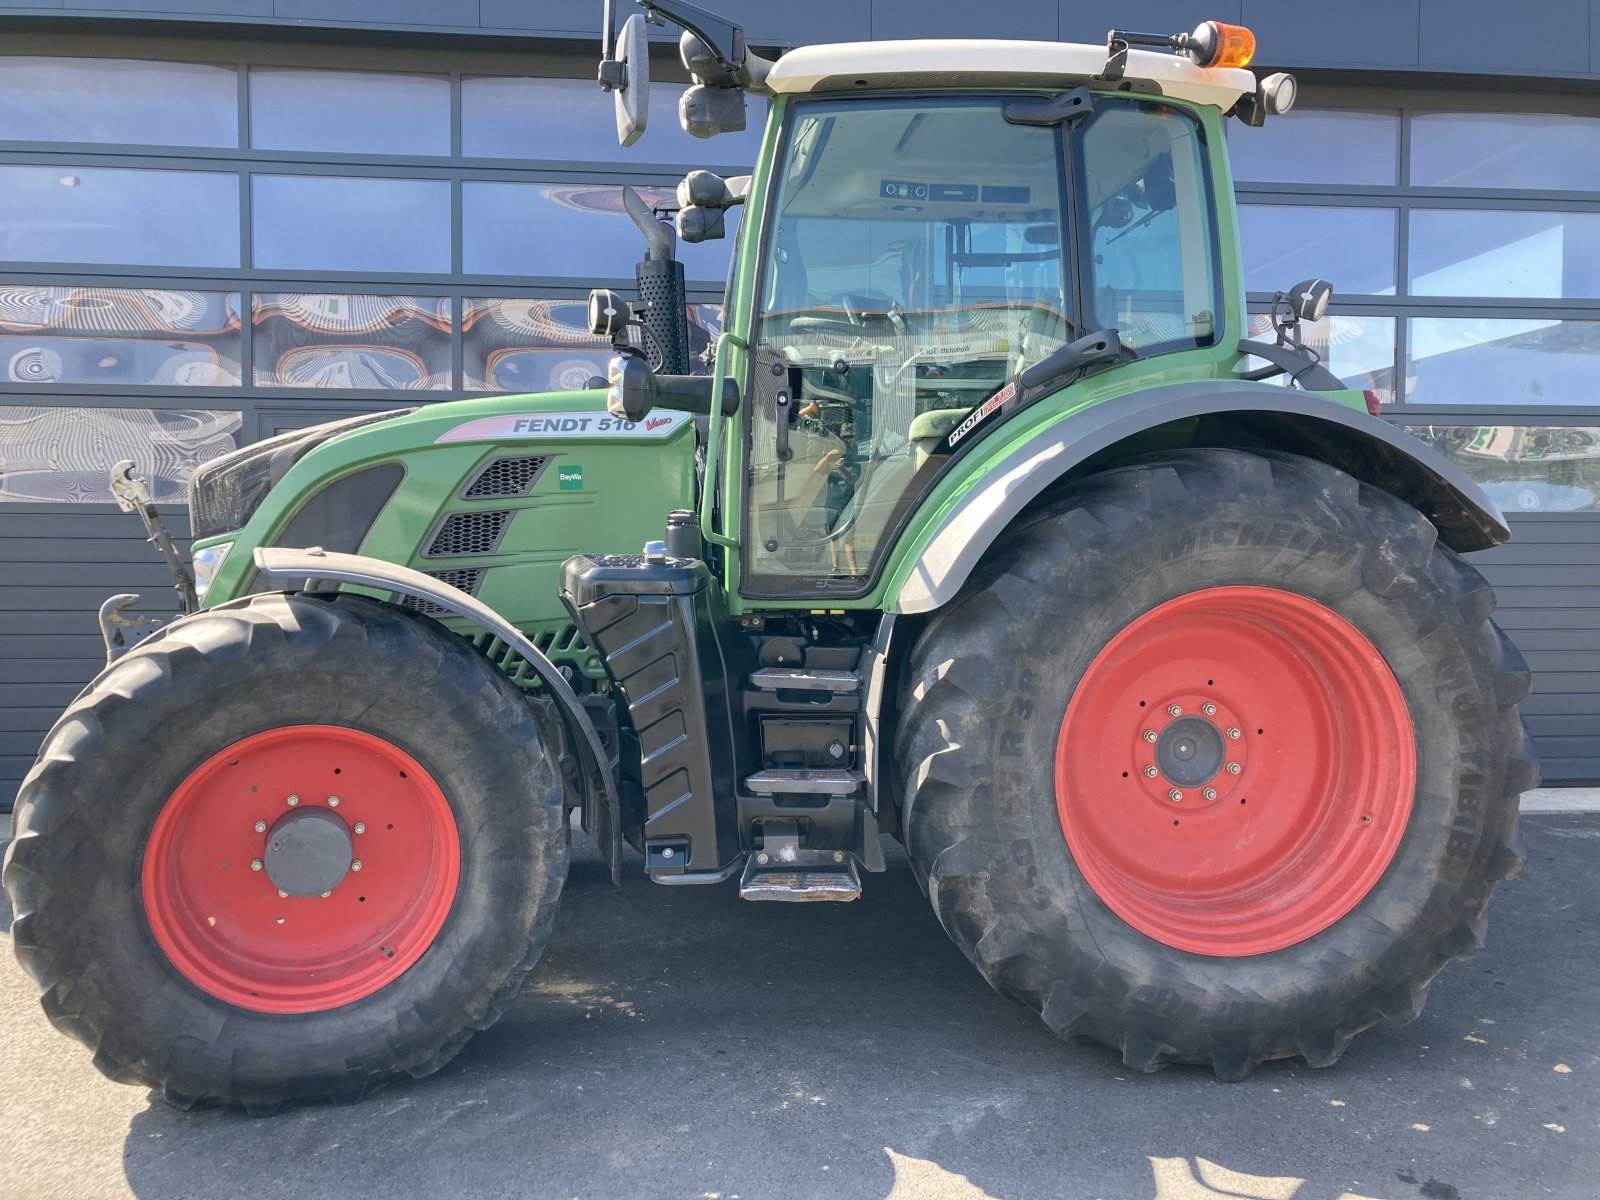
x: 517, y: 426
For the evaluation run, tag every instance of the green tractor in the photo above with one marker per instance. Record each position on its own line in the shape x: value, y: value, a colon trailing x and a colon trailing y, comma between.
x: 982, y: 528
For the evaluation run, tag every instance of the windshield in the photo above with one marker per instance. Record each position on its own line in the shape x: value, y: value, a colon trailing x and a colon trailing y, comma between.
x: 913, y: 263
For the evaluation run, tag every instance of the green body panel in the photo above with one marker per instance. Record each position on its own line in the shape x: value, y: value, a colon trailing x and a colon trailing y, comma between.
x: 605, y: 491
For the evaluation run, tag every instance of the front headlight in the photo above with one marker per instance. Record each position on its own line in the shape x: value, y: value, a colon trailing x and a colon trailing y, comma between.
x: 207, y: 563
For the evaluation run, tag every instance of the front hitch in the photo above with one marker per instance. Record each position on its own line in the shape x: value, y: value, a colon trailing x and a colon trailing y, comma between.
x: 133, y: 496
x: 121, y: 631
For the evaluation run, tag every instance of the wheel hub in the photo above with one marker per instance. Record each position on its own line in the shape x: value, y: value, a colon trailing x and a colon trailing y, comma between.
x: 1190, y: 751
x: 308, y: 852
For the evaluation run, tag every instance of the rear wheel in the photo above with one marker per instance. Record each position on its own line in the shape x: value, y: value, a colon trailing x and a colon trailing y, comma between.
x: 290, y: 848
x: 1217, y: 761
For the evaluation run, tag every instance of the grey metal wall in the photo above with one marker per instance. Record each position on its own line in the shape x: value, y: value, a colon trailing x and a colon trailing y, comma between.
x: 1558, y: 38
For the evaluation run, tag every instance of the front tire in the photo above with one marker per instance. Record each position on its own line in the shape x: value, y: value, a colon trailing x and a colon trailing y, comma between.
x: 290, y: 848
x: 1216, y: 761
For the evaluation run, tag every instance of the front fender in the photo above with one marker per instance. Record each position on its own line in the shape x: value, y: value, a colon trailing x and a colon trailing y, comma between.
x: 602, y: 809
x: 1240, y: 415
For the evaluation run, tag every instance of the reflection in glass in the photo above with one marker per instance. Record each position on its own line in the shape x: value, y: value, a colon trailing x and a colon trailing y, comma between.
x: 578, y: 230
x: 1493, y: 253
x: 91, y: 335
x: 1525, y: 468
x: 1352, y: 248
x: 1359, y: 349
x: 1502, y: 361
x: 63, y: 455
x: 117, y: 216
x: 327, y: 340
x: 543, y: 345
x: 1525, y: 151
x: 349, y: 112
x: 317, y: 223
x: 1318, y: 146
x: 504, y: 117
x: 119, y: 100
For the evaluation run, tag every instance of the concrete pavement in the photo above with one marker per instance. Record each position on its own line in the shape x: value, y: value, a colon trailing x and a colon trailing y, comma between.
x: 679, y: 1043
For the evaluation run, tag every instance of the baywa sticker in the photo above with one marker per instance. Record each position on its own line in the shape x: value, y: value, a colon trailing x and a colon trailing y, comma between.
x: 570, y: 478
x: 565, y: 425
x: 976, y: 417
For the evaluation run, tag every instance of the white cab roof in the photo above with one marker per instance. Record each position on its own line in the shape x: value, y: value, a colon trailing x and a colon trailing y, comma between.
x: 944, y: 63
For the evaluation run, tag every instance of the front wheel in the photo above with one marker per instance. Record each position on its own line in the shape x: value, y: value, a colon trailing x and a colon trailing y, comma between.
x: 1216, y: 761
x: 290, y: 848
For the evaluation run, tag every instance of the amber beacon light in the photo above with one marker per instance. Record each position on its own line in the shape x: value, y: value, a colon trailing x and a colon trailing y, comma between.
x: 1214, y: 44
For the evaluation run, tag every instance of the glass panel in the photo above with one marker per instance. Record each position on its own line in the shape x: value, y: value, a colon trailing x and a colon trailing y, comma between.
x: 1318, y: 147
x: 63, y: 455
x: 1359, y: 349
x: 913, y: 264
x: 1525, y: 151
x: 529, y: 345
x: 1149, y: 220
x: 1352, y: 248
x: 578, y: 230
x: 119, y: 336
x: 118, y: 100
x: 333, y: 340
x: 349, y: 112
x: 1525, y: 468
x: 1489, y: 253
x: 315, y: 223
x: 541, y: 345
x: 572, y: 118
x: 1459, y: 360
x: 112, y: 215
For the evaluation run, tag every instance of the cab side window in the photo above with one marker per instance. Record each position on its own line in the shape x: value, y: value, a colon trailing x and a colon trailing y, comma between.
x: 1152, y: 267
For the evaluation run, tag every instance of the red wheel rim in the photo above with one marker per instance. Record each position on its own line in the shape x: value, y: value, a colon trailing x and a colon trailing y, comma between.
x: 1311, y: 794
x: 226, y: 926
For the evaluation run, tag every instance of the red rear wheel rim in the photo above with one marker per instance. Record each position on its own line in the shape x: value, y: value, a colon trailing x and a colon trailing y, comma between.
x: 227, y: 928
x: 1315, y: 767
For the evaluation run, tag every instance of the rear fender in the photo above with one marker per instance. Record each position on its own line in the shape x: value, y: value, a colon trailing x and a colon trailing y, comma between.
x: 602, y: 816
x: 1239, y: 415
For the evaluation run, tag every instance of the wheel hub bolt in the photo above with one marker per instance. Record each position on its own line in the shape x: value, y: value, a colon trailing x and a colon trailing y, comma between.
x: 360, y: 827
x: 261, y: 826
x: 282, y: 895
x: 1174, y: 710
x: 255, y: 864
x: 1151, y: 771
x: 325, y: 895
x: 1210, y: 793
x: 333, y: 802
x: 1175, y: 795
x: 1234, y: 768
x: 293, y: 800
x: 356, y: 865
x: 1233, y: 735
x: 1149, y: 735
x: 1210, y: 710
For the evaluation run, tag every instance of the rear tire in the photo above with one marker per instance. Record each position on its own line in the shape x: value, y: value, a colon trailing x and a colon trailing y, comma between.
x: 136, y: 829
x: 1066, y: 873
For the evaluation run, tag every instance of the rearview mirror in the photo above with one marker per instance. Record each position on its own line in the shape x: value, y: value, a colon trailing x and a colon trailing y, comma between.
x: 632, y: 97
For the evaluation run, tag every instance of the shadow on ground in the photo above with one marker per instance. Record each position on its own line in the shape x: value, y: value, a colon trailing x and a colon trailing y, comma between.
x: 676, y: 1042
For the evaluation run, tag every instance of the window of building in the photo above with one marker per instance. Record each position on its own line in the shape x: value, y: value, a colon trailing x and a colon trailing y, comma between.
x: 122, y: 101
x: 119, y: 216
x: 349, y: 112
x: 340, y: 340
x: 1326, y: 146
x: 1284, y: 244
x: 1505, y: 150
x: 348, y: 223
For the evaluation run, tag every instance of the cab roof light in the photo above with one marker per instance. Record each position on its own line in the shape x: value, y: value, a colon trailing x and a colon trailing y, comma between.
x: 1212, y: 44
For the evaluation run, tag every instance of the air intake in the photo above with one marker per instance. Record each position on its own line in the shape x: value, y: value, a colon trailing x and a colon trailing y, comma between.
x: 506, y: 477
x: 466, y: 579
x: 469, y: 533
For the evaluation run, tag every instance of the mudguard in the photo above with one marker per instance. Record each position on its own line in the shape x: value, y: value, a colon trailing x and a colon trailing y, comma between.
x: 602, y: 814
x: 1223, y: 413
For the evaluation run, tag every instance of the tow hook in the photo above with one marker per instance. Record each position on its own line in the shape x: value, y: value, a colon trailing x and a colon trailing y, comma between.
x: 133, y: 496
x: 121, y: 631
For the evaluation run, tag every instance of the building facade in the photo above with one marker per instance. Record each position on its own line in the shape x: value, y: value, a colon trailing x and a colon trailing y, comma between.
x: 223, y: 219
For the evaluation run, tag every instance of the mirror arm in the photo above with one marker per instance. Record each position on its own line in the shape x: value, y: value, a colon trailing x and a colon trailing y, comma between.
x: 725, y: 39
